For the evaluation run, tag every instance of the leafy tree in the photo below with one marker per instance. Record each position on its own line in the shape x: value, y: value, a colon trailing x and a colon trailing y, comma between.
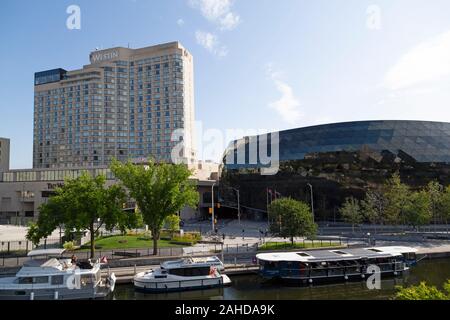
x: 82, y: 204
x: 291, y: 218
x: 418, y: 210
x: 159, y: 190
x: 351, y: 212
x: 397, y: 196
x: 445, y: 204
x: 373, y: 207
x: 423, y: 292
x: 435, y: 194
x: 172, y: 223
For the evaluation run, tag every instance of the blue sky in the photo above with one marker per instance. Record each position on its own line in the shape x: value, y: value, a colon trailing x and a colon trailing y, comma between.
x: 259, y: 64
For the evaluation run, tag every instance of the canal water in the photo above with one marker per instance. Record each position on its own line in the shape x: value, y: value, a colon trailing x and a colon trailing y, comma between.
x: 251, y: 287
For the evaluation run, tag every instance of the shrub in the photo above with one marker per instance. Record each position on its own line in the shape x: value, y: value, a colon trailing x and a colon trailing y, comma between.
x: 69, y: 245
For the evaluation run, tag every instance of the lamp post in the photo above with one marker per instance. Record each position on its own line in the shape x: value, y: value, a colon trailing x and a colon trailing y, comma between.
x: 312, y: 200
x: 212, y: 207
x: 239, y: 204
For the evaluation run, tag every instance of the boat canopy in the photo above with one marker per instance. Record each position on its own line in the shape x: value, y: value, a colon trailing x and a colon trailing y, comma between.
x: 46, y: 252
x: 336, y: 255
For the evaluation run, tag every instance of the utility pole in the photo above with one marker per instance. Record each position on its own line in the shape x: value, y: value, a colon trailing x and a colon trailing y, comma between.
x: 312, y: 201
x: 239, y: 206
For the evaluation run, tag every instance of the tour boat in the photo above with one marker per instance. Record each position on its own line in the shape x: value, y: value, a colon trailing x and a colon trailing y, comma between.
x: 182, y: 275
x: 337, y: 265
x: 48, y: 276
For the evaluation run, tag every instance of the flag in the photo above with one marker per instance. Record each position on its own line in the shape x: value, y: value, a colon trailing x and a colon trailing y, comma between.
x: 104, y: 260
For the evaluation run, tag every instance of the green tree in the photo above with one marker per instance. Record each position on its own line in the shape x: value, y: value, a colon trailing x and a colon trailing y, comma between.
x: 159, y: 190
x: 423, y: 292
x: 373, y: 207
x: 434, y: 190
x: 351, y: 212
x: 82, y: 204
x: 291, y: 218
x: 397, y: 197
x: 172, y: 223
x: 445, y: 205
x: 418, y: 209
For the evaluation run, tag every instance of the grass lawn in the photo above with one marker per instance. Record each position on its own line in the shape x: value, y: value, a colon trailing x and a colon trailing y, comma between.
x: 128, y: 242
x: 297, y: 245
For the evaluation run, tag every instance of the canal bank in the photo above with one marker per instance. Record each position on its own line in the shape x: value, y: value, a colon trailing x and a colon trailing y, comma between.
x: 244, y: 263
x: 251, y: 287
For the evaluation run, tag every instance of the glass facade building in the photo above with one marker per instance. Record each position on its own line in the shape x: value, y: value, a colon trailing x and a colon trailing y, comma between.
x: 343, y: 159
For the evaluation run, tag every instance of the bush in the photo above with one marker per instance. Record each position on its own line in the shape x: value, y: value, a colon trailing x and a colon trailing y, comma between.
x: 423, y: 292
x: 69, y: 245
x: 188, y: 239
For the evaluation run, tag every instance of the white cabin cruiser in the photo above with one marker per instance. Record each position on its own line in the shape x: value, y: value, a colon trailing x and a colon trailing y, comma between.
x: 181, y: 275
x: 47, y: 276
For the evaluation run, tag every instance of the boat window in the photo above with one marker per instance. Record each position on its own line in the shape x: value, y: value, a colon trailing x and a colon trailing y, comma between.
x: 340, y: 252
x: 35, y: 280
x: 375, y: 250
x: 190, y: 272
x: 57, y: 280
x: 86, y: 279
x: 25, y: 280
x: 410, y: 256
x: 40, y: 280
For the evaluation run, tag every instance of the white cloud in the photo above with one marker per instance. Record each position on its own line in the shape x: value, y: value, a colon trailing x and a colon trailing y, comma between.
x: 180, y: 22
x: 218, y: 12
x: 211, y: 43
x: 427, y: 62
x: 288, y: 106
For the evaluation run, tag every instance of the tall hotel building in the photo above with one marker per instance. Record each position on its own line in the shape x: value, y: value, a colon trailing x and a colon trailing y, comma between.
x: 125, y: 104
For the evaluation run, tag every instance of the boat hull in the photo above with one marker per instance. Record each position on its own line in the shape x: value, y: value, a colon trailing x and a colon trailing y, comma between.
x: 149, y: 286
x: 53, y: 294
x: 305, y: 281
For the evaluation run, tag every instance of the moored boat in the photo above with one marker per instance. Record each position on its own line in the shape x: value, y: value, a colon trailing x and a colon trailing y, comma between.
x: 48, y: 276
x: 182, y: 275
x: 335, y: 265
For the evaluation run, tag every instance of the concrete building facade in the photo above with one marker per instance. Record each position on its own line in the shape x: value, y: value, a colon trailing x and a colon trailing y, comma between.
x: 23, y: 191
x: 4, y: 154
x: 126, y: 104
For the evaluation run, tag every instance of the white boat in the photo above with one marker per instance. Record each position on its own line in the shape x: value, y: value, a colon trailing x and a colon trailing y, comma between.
x: 182, y: 275
x: 48, y: 276
x: 212, y: 261
x: 337, y: 265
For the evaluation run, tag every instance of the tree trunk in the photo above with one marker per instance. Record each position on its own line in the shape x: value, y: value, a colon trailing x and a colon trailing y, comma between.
x: 292, y: 241
x: 92, y: 241
x: 155, y: 235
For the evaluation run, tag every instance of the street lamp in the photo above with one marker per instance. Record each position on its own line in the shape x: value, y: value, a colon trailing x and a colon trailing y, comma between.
x: 212, y: 207
x: 239, y: 204
x: 312, y: 200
